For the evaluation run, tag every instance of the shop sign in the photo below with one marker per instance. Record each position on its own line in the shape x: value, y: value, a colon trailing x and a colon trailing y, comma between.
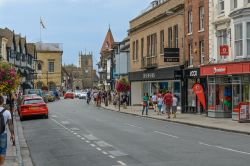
x: 171, y: 54
x: 193, y: 73
x: 220, y: 70
x: 148, y: 75
x: 224, y: 50
x: 178, y: 74
x: 199, y: 91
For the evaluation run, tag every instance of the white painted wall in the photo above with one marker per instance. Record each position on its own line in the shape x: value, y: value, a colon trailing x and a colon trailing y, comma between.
x: 136, y: 93
x: 223, y: 21
x: 3, y: 49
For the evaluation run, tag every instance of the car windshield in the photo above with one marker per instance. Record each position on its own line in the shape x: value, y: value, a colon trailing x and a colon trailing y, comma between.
x: 33, y: 101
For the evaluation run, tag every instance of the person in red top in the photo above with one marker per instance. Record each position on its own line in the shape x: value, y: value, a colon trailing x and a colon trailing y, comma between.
x: 168, y: 100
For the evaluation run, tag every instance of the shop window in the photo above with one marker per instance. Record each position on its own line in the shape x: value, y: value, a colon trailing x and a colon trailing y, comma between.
x: 236, y: 95
x: 191, y: 94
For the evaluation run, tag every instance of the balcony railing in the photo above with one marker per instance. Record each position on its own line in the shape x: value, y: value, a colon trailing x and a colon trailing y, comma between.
x: 149, y: 62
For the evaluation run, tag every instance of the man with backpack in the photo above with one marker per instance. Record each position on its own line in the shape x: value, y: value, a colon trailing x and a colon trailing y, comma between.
x: 168, y: 101
x: 5, y: 117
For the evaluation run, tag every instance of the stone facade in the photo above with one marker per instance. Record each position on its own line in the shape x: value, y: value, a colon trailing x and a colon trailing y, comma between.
x: 49, y: 66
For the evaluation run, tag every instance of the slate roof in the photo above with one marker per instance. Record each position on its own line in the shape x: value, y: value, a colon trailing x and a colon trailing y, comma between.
x: 31, y: 49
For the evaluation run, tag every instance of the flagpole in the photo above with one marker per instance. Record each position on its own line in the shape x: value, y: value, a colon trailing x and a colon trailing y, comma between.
x: 40, y: 30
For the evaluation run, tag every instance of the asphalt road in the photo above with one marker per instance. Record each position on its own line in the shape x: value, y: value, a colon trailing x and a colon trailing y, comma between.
x: 77, y: 134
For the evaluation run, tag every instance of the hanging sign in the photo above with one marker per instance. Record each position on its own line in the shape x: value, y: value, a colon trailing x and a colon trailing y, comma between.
x: 224, y: 50
x: 199, y: 91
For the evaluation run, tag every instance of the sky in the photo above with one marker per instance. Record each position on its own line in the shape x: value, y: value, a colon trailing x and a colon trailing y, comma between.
x: 80, y: 25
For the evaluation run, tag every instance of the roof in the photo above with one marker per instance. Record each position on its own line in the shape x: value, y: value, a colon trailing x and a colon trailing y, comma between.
x: 31, y: 49
x: 108, y: 42
x: 8, y: 34
x: 50, y: 47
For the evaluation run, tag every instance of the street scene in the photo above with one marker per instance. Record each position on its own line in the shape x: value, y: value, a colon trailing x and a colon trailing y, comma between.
x: 136, y: 83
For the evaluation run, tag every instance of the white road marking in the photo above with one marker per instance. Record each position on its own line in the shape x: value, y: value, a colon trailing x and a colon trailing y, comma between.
x: 87, y: 141
x: 111, y: 156
x: 93, y: 145
x: 78, y: 136
x: 223, y: 148
x: 122, y: 163
x: 75, y: 133
x: 83, y: 138
x: 104, y: 152
x: 169, y: 135
x: 99, y: 149
x: 133, y: 125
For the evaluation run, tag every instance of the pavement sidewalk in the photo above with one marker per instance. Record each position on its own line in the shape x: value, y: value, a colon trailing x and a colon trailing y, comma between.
x: 17, y: 155
x: 225, y: 124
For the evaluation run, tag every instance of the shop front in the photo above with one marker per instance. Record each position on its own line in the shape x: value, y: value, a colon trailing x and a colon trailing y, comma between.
x: 228, y: 88
x: 154, y: 81
x: 191, y: 77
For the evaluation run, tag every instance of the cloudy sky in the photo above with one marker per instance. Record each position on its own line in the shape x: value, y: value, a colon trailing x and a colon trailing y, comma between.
x: 78, y: 24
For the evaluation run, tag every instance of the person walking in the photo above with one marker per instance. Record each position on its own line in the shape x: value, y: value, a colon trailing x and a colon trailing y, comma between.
x: 154, y: 101
x: 159, y: 104
x: 145, y: 103
x: 5, y: 117
x: 168, y: 101
x: 174, y: 106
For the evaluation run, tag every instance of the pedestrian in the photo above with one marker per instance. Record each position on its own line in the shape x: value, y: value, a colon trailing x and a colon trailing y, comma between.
x: 159, y: 104
x: 174, y: 106
x: 5, y: 117
x: 124, y: 100
x: 168, y: 101
x: 154, y: 101
x: 145, y: 103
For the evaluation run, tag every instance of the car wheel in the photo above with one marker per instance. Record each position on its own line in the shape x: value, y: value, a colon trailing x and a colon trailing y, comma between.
x: 46, y: 116
x: 21, y: 118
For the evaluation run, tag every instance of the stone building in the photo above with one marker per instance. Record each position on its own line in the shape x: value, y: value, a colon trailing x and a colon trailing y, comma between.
x: 49, y: 66
x: 159, y: 27
x: 86, y: 67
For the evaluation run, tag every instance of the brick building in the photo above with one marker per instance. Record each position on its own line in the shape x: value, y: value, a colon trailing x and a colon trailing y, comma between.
x: 196, y: 21
x: 160, y: 26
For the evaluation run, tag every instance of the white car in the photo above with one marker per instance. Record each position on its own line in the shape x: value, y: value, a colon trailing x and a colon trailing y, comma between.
x: 83, y: 95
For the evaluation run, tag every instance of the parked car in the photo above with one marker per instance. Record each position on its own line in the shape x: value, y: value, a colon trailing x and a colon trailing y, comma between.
x: 38, y: 92
x: 69, y: 95
x: 83, y: 95
x: 33, y: 105
x: 77, y: 93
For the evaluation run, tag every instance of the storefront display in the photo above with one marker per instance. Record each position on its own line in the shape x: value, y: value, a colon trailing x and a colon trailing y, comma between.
x: 228, y: 88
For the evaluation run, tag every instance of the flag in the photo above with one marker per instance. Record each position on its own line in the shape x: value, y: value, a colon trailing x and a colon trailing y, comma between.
x: 199, y: 91
x: 42, y: 23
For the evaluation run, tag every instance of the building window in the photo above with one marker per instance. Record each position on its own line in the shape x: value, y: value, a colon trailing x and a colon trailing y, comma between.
x: 162, y: 42
x: 190, y: 22
x: 202, y: 15
x: 142, y: 47
x: 190, y: 54
x: 221, y: 40
x: 151, y: 45
x: 86, y: 62
x: 170, y: 37
x: 136, y: 49
x: 233, y: 4
x: 202, y: 53
x: 176, y: 36
x: 248, y: 38
x: 221, y: 6
x: 51, y: 67
x: 238, y: 40
x: 133, y: 53
x: 39, y: 66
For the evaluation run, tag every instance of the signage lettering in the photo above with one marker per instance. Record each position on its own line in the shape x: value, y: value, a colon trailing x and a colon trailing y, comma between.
x: 193, y: 74
x: 220, y: 70
x: 171, y: 54
x: 148, y: 75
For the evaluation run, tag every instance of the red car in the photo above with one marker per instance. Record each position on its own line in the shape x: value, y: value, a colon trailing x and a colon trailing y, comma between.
x: 69, y: 95
x: 33, y: 105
